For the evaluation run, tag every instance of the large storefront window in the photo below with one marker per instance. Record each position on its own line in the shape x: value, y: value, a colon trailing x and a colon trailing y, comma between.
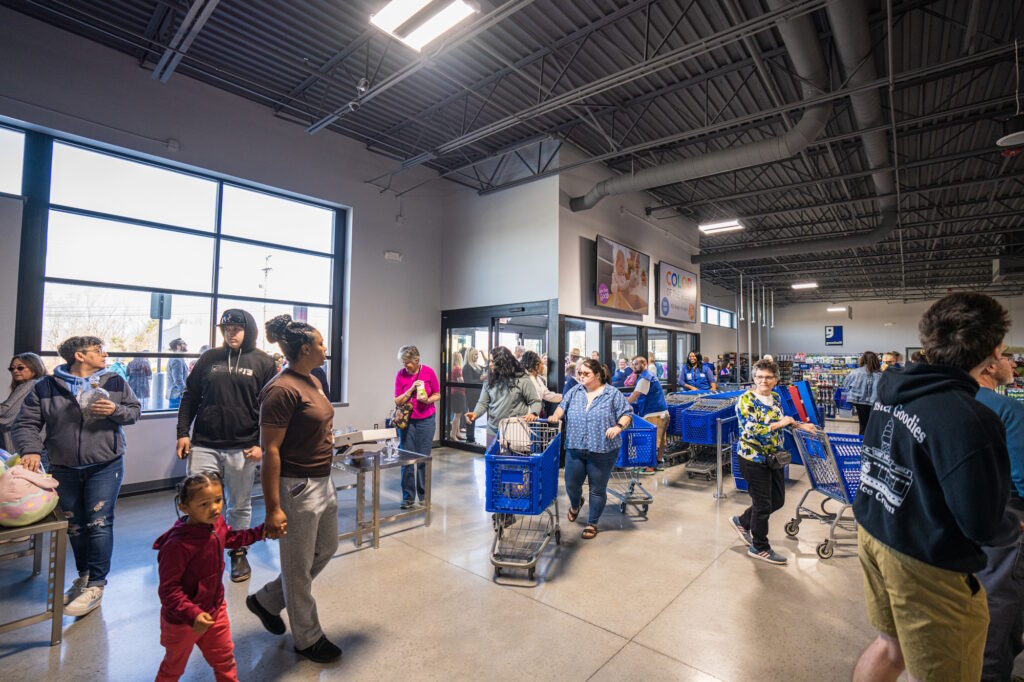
x: 147, y: 257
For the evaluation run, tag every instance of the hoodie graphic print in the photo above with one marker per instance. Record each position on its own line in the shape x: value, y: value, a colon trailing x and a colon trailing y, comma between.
x: 934, y: 469
x: 222, y: 394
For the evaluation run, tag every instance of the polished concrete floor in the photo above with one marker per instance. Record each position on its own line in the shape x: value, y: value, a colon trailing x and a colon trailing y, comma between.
x: 670, y: 597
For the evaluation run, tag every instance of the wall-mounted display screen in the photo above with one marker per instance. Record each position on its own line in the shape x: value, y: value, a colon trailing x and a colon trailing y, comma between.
x: 677, y: 293
x: 623, y: 277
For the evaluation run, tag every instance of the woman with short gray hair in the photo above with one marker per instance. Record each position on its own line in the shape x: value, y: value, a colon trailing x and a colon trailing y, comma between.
x: 417, y: 383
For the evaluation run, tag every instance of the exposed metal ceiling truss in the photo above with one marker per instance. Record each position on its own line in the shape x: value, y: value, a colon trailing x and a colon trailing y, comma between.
x: 634, y: 84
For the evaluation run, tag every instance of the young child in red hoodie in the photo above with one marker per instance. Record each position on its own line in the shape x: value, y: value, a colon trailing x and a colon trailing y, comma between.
x: 191, y: 561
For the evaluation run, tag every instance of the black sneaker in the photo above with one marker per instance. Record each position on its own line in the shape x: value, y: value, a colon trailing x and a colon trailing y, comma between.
x: 273, y: 624
x: 240, y: 570
x: 321, y: 652
x: 407, y: 504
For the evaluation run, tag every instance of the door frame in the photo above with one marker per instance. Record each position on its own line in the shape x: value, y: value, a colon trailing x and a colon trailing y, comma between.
x: 489, y: 316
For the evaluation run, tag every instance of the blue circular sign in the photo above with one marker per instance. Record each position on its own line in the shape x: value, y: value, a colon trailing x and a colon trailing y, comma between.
x: 664, y: 306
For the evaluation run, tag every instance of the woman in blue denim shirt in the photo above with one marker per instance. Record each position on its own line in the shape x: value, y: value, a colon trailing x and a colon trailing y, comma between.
x: 597, y: 415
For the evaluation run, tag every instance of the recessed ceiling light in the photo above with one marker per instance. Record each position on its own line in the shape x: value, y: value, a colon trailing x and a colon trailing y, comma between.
x: 724, y: 226
x: 837, y: 309
x: 417, y: 23
x: 805, y: 285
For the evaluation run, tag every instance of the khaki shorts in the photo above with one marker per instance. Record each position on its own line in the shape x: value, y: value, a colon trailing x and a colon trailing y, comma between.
x: 940, y: 617
x: 661, y: 423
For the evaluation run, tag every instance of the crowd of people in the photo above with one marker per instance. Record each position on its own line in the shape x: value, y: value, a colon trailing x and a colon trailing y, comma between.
x: 940, y: 510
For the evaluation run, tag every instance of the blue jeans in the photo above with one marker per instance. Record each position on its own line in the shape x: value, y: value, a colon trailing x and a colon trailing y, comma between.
x: 417, y: 437
x: 87, y: 498
x: 596, y: 467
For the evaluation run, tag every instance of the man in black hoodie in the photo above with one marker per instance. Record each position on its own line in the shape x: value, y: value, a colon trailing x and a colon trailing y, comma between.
x: 221, y: 396
x: 933, y: 489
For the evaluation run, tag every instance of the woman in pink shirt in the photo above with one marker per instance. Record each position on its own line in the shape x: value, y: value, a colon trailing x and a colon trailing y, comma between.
x: 418, y: 383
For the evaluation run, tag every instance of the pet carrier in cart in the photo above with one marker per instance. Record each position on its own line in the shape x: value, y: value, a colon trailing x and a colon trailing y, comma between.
x: 639, y: 450
x: 833, y: 465
x: 521, y: 467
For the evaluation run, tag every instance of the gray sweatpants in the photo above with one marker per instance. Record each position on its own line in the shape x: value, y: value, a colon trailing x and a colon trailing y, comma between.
x: 238, y: 475
x: 309, y: 544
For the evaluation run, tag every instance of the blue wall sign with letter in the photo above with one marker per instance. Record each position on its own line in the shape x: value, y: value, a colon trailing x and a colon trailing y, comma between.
x: 833, y: 335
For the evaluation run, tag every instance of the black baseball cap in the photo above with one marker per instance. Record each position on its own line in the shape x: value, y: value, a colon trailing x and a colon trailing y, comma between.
x: 232, y: 316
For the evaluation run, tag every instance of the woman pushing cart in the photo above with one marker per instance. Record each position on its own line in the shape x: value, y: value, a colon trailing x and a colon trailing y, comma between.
x: 597, y: 414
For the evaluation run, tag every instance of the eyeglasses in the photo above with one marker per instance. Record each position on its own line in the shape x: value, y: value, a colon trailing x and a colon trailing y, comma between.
x: 583, y: 373
x: 764, y: 377
x: 17, y: 368
x: 98, y: 350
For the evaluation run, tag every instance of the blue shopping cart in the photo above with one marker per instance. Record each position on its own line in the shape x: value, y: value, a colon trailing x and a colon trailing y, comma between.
x: 832, y: 461
x: 639, y: 450
x: 521, y: 469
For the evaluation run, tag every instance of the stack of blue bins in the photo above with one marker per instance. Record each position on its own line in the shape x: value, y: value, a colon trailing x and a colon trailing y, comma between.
x: 675, y: 411
x: 522, y: 484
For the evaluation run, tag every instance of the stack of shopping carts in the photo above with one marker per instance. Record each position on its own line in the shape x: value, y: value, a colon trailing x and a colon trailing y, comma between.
x: 833, y: 465
x: 639, y: 450
x: 700, y: 429
x: 521, y: 467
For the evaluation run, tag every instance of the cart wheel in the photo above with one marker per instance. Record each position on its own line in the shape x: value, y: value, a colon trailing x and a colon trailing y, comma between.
x: 825, y: 550
x: 792, y: 528
x: 689, y: 474
x: 622, y: 507
x: 707, y: 477
x: 558, y: 537
x: 533, y: 572
x: 497, y: 571
x: 643, y: 510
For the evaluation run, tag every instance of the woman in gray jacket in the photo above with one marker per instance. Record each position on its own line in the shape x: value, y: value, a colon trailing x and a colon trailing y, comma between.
x: 862, y: 387
x: 26, y: 369
x: 507, y: 392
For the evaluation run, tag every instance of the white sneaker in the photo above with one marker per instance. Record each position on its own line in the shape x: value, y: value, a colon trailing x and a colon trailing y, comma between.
x: 88, y: 600
x: 76, y: 589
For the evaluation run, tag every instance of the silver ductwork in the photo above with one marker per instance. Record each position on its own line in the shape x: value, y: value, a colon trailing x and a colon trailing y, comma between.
x: 852, y: 38
x: 801, y: 41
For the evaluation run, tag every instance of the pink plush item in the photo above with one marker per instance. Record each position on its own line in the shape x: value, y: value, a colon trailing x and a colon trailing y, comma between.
x: 25, y: 496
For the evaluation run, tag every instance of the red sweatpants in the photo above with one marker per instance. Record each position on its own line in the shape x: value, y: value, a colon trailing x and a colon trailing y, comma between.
x: 215, y: 643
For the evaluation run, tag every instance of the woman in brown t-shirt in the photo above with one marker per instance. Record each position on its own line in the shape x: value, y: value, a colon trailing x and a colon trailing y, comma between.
x: 301, y: 500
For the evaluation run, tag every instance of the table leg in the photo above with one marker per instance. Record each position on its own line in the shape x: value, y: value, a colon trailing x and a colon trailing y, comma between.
x: 55, y: 583
x: 426, y: 497
x: 360, y: 501
x: 376, y: 502
x: 37, y: 553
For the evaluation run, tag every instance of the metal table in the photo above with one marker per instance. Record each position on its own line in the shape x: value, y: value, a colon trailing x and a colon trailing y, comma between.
x: 370, y: 459
x: 58, y: 529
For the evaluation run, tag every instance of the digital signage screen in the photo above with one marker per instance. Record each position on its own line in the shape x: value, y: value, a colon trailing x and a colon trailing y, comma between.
x: 677, y: 293
x: 623, y: 277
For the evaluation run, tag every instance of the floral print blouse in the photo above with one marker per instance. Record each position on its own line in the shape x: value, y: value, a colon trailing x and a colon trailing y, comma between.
x: 755, y: 420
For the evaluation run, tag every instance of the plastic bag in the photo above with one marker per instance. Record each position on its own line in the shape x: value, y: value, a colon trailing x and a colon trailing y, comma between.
x: 25, y: 496
x: 86, y: 400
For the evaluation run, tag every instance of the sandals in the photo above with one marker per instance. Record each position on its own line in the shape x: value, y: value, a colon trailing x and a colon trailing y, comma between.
x: 589, y: 532
x: 573, y: 514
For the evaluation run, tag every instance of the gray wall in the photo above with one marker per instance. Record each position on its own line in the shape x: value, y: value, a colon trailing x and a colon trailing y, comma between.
x: 876, y: 325
x: 620, y: 218
x: 10, y: 237
x: 500, y: 248
x: 57, y: 80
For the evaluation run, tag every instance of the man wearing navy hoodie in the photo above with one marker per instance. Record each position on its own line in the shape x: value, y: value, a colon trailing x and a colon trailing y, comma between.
x: 221, y: 397
x: 85, y: 444
x: 935, y: 476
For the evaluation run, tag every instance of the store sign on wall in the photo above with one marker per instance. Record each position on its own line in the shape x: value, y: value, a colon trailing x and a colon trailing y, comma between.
x: 833, y: 335
x: 677, y: 293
